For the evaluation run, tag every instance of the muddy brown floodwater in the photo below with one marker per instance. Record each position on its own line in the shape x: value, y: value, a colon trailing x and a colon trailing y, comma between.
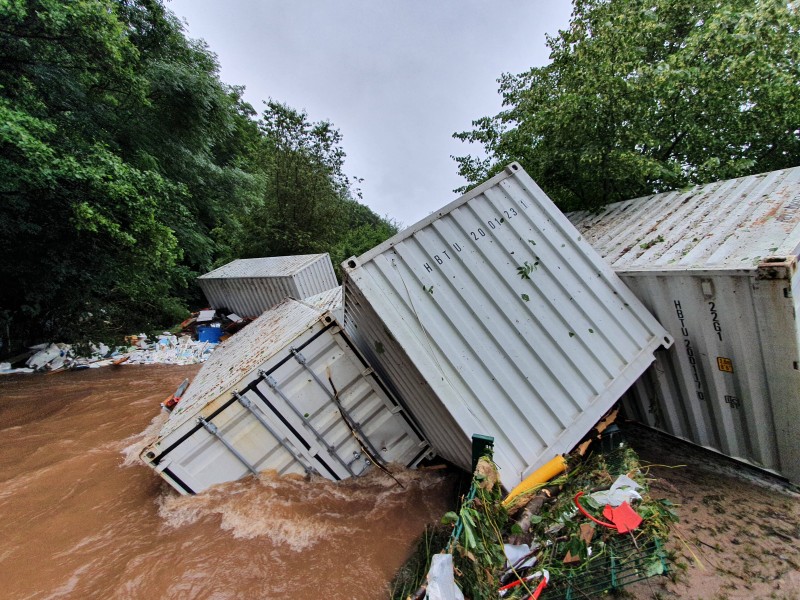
x: 82, y: 518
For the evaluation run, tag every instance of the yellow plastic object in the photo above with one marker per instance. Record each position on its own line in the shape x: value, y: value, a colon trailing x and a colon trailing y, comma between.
x: 541, y: 475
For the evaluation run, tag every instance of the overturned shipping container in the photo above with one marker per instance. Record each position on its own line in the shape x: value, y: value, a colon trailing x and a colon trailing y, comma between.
x: 718, y: 266
x: 493, y: 316
x: 249, y: 286
x: 288, y: 393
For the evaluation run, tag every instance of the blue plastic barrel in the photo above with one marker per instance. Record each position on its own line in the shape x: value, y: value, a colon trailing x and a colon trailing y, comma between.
x: 209, y: 334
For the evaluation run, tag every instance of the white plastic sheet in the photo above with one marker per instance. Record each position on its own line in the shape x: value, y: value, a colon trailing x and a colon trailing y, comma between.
x: 441, y: 583
x: 622, y: 490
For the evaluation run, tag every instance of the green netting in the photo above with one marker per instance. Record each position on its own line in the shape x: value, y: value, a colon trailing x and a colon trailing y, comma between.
x: 607, y: 561
x: 622, y: 564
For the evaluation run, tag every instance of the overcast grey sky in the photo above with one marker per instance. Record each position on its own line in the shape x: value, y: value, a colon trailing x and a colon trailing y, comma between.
x: 397, y: 78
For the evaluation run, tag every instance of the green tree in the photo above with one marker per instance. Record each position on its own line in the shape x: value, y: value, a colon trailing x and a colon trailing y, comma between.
x: 645, y: 96
x: 118, y: 157
x: 308, y: 202
x: 78, y: 227
x: 127, y: 168
x: 364, y: 230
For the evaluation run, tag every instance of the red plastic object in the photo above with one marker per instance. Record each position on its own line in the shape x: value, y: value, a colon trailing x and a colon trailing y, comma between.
x: 514, y: 583
x: 588, y: 516
x: 538, y: 590
x: 624, y: 517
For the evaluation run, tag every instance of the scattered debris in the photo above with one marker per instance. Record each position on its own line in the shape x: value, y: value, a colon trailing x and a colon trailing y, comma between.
x: 7, y: 369
x: 57, y: 357
x: 206, y: 316
x: 209, y: 325
x: 173, y: 399
x: 172, y: 350
x: 441, y: 581
x: 193, y: 345
x: 551, y: 541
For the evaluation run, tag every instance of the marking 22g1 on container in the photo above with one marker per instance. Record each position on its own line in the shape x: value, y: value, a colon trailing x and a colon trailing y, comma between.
x: 493, y: 316
x: 717, y: 265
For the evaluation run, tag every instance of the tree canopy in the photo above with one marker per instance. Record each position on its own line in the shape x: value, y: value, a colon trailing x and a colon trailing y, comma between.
x: 646, y: 96
x: 127, y: 167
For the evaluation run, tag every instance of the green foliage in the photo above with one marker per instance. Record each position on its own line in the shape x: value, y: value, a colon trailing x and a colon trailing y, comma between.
x: 307, y: 204
x: 127, y: 168
x: 477, y: 545
x: 483, y: 525
x: 303, y: 204
x: 526, y: 269
x: 642, y: 97
x: 363, y: 230
x: 82, y: 242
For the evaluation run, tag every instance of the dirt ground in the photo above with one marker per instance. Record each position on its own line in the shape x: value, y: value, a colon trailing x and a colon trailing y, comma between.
x: 739, y: 529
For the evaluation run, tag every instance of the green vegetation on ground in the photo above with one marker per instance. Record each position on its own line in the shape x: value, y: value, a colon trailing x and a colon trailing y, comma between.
x: 582, y: 558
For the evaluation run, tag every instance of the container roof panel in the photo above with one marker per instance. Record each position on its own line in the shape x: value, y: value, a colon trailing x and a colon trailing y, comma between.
x: 331, y: 300
x: 733, y: 224
x: 241, y: 354
x: 273, y: 266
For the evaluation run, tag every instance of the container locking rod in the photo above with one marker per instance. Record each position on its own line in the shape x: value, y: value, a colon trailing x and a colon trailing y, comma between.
x: 250, y: 406
x: 214, y: 430
x: 334, y: 397
x: 275, y: 387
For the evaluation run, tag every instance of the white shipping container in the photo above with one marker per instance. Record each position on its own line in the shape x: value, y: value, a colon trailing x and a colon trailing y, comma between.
x: 717, y: 265
x: 493, y: 316
x: 249, y: 286
x: 287, y: 393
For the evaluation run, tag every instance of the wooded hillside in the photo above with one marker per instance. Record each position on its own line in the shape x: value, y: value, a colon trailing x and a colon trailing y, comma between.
x: 127, y: 167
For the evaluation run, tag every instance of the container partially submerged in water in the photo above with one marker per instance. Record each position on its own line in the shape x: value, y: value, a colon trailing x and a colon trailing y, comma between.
x: 288, y: 393
x: 717, y: 265
x: 494, y: 316
x: 249, y: 286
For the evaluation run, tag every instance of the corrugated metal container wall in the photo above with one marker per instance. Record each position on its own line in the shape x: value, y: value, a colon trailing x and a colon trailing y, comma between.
x: 249, y: 286
x: 288, y: 393
x: 717, y: 265
x: 493, y: 316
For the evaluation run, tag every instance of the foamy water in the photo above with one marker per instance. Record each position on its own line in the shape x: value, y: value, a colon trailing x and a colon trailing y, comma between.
x: 84, y: 519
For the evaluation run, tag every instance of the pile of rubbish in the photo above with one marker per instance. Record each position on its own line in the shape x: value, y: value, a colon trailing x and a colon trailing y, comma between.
x: 213, y: 325
x: 169, y: 349
x: 165, y: 349
x: 200, y: 334
x: 590, y: 529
